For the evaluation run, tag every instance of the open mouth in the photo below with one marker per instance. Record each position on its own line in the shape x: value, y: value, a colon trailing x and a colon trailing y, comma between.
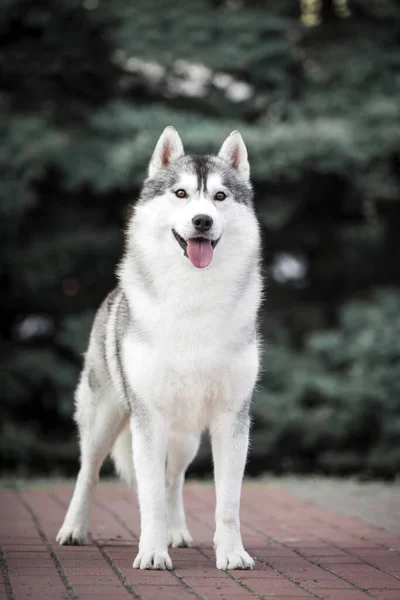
x: 199, y: 250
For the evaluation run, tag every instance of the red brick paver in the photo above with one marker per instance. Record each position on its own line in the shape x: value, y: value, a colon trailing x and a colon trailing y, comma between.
x: 301, y: 550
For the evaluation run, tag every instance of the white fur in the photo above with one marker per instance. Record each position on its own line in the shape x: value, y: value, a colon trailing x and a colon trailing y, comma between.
x: 187, y: 369
x: 169, y: 147
x: 234, y: 152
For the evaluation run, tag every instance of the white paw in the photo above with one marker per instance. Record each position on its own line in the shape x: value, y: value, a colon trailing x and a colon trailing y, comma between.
x: 156, y: 559
x: 74, y: 535
x: 179, y: 538
x: 237, y: 559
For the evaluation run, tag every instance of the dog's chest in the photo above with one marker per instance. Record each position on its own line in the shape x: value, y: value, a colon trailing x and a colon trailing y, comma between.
x: 184, y: 369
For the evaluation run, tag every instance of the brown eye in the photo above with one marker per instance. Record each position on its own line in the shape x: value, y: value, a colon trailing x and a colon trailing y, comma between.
x: 220, y: 196
x: 181, y: 193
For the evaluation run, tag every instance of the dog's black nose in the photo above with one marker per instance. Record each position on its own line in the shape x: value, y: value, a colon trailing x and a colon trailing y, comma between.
x: 202, y: 223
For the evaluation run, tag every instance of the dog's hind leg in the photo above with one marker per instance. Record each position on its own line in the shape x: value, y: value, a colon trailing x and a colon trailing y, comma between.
x: 99, y: 419
x: 181, y: 451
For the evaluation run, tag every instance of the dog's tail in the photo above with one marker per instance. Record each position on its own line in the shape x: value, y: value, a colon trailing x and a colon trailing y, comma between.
x: 121, y: 454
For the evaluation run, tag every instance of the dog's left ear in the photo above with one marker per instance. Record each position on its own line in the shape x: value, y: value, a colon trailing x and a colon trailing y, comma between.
x: 234, y: 152
x: 169, y: 147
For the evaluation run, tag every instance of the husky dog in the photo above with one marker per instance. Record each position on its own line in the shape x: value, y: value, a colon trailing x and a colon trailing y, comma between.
x: 174, y: 350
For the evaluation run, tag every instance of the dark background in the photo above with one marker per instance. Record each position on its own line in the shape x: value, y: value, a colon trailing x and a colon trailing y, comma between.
x: 314, y: 87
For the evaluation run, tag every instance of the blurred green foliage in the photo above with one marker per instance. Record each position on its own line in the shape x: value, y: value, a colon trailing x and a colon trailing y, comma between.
x: 86, y: 88
x: 335, y: 407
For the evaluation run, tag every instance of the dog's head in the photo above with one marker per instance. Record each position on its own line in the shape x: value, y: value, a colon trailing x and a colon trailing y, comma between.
x: 199, y: 203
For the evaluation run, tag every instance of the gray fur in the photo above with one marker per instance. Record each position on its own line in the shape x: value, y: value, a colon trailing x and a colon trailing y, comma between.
x: 142, y: 272
x: 93, y: 381
x: 250, y: 270
x: 157, y: 186
x: 202, y: 167
x: 99, y: 330
x: 124, y: 321
x: 246, y: 336
x: 121, y: 323
x: 242, y: 419
x: 115, y: 306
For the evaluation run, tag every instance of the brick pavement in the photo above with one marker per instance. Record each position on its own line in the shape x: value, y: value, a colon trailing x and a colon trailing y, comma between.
x: 376, y: 502
x: 301, y: 550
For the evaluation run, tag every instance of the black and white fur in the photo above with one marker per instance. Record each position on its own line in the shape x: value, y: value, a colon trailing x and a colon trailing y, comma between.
x: 174, y: 350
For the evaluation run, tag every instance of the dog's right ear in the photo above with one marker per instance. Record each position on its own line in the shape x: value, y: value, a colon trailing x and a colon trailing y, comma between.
x: 169, y: 147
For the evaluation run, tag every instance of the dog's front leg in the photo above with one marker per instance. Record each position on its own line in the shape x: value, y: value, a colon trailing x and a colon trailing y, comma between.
x: 230, y: 438
x: 149, y: 440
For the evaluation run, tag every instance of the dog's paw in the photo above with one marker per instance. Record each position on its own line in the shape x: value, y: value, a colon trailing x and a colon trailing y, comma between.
x: 178, y: 538
x: 239, y: 559
x: 156, y: 559
x: 72, y: 535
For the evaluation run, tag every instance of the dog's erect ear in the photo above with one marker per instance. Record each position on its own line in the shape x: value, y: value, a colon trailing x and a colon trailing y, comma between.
x: 169, y: 147
x: 234, y: 152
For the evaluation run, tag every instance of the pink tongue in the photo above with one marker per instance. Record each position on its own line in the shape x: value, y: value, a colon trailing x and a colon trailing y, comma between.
x: 200, y: 252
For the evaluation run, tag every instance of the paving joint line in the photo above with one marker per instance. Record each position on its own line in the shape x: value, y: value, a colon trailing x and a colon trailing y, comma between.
x: 187, y: 586
x: 324, y: 568
x: 296, y: 583
x: 348, y: 552
x: 59, y: 568
x: 276, y: 570
x: 104, y: 554
x: 308, y: 559
x: 337, y: 527
x: 229, y: 574
x: 239, y: 582
x: 184, y: 584
x: 354, y: 554
x: 200, y: 551
x: 125, y: 526
x: 6, y: 575
x: 115, y: 569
